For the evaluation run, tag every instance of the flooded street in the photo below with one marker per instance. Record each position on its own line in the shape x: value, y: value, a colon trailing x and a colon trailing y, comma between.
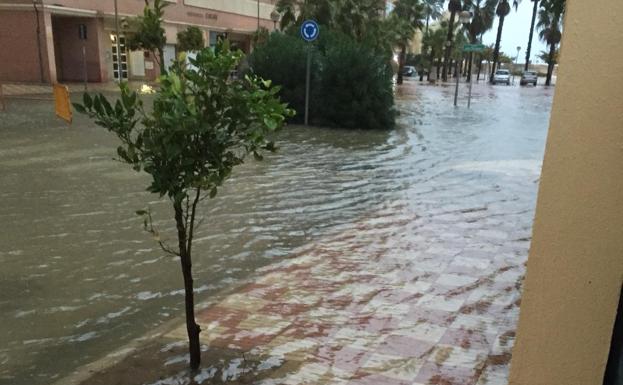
x: 79, y: 279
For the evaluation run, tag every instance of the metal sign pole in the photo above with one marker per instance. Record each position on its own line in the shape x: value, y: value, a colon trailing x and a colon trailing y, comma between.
x: 309, y: 33
x: 456, y: 89
x: 307, y: 84
x: 469, y: 98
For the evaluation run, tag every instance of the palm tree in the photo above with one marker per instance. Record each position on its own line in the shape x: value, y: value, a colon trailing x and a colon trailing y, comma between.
x: 433, y: 42
x: 528, y: 51
x: 486, y: 55
x: 550, y: 30
x: 408, y: 16
x: 454, y: 6
x: 545, y: 56
x: 355, y: 17
x: 502, y: 10
x: 433, y: 9
x: 483, y: 13
x: 288, y: 10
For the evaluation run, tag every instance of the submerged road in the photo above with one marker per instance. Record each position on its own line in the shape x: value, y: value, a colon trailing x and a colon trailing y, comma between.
x: 441, y: 207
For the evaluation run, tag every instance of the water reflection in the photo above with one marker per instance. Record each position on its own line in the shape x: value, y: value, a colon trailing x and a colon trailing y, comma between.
x: 80, y: 279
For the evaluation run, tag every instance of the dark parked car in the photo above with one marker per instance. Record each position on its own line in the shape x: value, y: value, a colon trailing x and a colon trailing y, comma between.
x: 528, y: 77
x: 409, y: 71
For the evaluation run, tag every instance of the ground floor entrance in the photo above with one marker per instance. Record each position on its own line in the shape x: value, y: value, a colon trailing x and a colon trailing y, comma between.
x: 52, y: 44
x: 77, y: 46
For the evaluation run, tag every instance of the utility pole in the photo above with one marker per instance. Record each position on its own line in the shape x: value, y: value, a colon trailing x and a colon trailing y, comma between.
x: 515, y: 65
x: 258, y: 15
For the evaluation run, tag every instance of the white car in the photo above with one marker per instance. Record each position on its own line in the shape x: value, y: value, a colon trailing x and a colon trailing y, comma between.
x: 502, y: 76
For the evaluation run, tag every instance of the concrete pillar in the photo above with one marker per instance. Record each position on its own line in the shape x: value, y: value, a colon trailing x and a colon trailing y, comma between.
x: 575, y: 268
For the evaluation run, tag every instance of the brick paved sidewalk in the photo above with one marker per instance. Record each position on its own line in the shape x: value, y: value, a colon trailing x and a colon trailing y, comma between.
x: 375, y: 314
x: 377, y: 304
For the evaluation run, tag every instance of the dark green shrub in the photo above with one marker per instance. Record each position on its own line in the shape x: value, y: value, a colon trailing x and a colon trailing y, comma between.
x: 190, y: 40
x: 354, y: 88
x: 282, y: 59
x: 351, y: 81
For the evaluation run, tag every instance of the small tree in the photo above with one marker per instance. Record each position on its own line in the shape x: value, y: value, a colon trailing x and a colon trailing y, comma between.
x: 202, y: 125
x: 150, y: 36
x: 190, y: 40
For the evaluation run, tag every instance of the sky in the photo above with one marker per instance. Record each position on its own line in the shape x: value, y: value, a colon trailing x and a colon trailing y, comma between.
x: 515, y: 33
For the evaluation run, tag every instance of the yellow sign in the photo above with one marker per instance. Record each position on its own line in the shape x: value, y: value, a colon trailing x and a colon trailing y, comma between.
x: 62, y: 104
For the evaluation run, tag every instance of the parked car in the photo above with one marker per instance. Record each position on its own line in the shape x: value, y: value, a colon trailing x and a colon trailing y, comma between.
x: 409, y: 71
x: 502, y: 76
x: 528, y: 77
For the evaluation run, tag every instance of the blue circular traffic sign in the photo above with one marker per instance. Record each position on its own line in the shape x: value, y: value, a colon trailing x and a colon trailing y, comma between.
x: 310, y: 30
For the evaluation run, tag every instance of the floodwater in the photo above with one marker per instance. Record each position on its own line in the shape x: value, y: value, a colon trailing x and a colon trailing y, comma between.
x: 79, y: 278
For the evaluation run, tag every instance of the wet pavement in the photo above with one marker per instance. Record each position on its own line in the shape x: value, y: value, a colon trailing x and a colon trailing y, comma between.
x: 351, y: 257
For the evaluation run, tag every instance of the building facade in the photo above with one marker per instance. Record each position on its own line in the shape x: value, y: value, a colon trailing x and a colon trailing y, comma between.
x: 48, y: 41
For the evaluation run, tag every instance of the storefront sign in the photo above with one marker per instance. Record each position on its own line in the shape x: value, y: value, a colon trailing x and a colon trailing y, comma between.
x: 208, y: 16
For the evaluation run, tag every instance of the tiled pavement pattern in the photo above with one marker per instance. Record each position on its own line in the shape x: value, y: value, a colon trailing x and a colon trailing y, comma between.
x: 396, y: 301
x: 425, y: 291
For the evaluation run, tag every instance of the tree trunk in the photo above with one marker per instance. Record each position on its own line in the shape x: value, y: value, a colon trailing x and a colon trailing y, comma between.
x: 446, y: 57
x: 550, y: 64
x: 438, y: 68
x: 401, y: 63
x: 192, y: 328
x: 479, y: 69
x: 496, y: 51
x: 427, y: 19
x: 163, y: 69
x: 450, y: 67
x: 431, y: 63
x: 534, y: 12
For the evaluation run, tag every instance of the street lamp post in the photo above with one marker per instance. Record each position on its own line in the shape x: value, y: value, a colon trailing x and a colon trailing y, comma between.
x: 515, y: 66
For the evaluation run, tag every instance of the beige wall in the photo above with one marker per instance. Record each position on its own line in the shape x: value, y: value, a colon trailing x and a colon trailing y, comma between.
x: 575, y: 268
x: 224, y: 14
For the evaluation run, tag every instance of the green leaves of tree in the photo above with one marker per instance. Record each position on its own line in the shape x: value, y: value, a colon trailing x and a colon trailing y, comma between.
x: 150, y: 35
x: 203, y: 123
x: 190, y: 40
